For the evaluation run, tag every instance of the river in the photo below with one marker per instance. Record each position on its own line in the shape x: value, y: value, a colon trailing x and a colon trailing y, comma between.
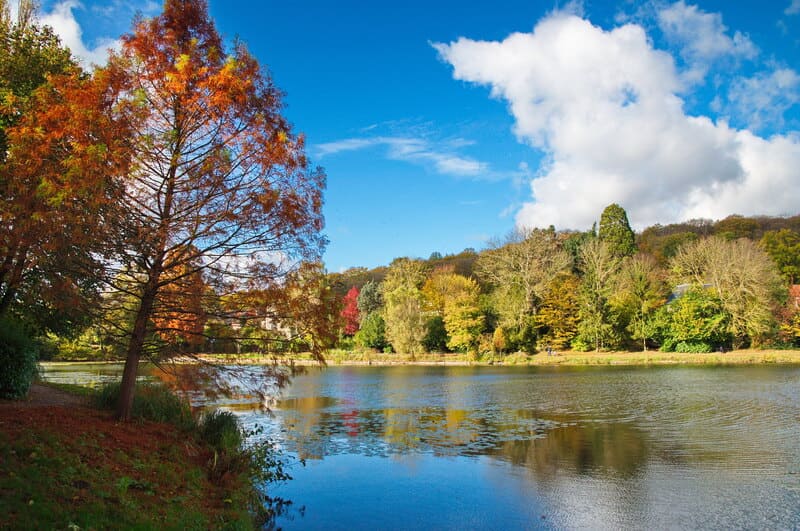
x: 556, y: 448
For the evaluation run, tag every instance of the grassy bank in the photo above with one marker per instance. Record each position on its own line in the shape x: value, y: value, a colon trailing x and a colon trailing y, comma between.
x: 565, y: 358
x: 75, y: 467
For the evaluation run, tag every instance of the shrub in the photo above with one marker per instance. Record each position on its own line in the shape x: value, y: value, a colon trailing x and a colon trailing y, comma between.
x: 18, y: 352
x: 220, y: 429
x: 693, y: 347
x: 372, y: 333
x: 150, y: 402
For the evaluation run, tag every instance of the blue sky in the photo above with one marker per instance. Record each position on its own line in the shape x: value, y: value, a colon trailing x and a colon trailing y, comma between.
x: 442, y: 124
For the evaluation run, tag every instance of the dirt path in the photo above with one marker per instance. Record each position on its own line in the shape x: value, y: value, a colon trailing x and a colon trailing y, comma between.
x: 46, y: 396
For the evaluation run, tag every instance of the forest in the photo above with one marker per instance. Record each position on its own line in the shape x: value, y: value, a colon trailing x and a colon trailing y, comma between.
x: 697, y: 286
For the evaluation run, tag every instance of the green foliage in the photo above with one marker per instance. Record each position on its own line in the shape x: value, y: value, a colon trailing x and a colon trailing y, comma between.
x: 403, y: 315
x: 616, y: 231
x: 18, y: 353
x: 693, y: 347
x: 744, y: 279
x: 372, y: 333
x: 783, y: 247
x: 88, y: 346
x: 151, y: 402
x: 436, y: 336
x: 695, y: 318
x: 221, y: 430
x: 598, y: 323
x: 520, y: 271
x: 639, y: 292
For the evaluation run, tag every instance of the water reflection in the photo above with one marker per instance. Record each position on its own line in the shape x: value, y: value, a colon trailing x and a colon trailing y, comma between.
x: 592, y: 449
x: 519, y: 448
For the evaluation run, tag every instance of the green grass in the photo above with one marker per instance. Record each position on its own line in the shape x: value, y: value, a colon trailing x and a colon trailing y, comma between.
x: 150, y: 402
x: 52, y: 480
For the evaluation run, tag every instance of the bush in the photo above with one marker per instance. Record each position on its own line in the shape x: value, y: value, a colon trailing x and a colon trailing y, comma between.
x: 150, y: 402
x: 372, y: 333
x: 18, y: 352
x: 220, y: 429
x: 693, y: 347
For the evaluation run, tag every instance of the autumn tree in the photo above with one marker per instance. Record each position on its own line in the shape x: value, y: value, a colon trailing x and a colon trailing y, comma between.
x: 179, y: 316
x: 216, y: 168
x: 60, y: 150
x: 350, y: 312
x: 783, y: 246
x: 519, y: 270
x: 640, y: 290
x: 616, y: 231
x: 558, y: 313
x: 463, y: 318
x: 403, y: 311
x: 743, y: 278
x: 453, y: 302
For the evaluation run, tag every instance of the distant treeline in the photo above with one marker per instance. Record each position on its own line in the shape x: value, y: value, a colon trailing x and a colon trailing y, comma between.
x: 692, y: 286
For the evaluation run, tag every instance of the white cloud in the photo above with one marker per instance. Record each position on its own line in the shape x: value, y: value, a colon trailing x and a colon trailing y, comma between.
x: 415, y: 150
x: 702, y: 37
x: 794, y: 8
x: 604, y: 108
x: 63, y: 22
x: 763, y: 99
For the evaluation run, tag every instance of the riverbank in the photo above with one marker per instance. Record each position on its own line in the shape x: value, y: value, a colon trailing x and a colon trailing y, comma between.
x: 65, y: 465
x: 566, y: 358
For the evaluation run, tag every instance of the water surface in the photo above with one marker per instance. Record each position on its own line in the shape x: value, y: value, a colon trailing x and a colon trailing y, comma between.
x: 522, y: 448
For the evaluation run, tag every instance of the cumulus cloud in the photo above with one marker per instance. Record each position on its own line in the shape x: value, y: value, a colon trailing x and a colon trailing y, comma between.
x: 702, y: 38
x: 417, y: 151
x: 794, y: 8
x: 604, y: 108
x: 63, y: 22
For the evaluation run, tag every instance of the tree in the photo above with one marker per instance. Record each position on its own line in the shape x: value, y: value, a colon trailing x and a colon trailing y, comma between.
x: 216, y: 168
x: 350, y: 312
x: 179, y: 317
x: 59, y: 151
x: 370, y: 299
x: 372, y: 333
x: 742, y: 276
x: 463, y: 318
x: 558, y: 314
x: 520, y: 269
x: 616, y: 231
x: 783, y: 246
x: 735, y: 226
x: 695, y: 322
x: 435, y: 339
x: 403, y: 312
x: 599, y: 267
x: 640, y: 291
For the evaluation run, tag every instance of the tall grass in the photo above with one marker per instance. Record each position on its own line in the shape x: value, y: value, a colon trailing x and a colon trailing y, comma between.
x: 150, y: 402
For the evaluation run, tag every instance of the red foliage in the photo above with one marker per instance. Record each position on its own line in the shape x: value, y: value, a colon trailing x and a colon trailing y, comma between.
x: 350, y: 312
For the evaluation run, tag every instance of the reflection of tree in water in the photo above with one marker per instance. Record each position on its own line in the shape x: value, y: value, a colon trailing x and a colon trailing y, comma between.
x: 583, y: 449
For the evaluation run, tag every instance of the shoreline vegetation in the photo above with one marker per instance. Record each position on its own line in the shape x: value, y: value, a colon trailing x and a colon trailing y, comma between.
x: 567, y: 358
x: 67, y: 463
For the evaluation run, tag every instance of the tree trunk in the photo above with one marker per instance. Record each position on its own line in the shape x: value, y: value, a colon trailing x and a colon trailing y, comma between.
x: 128, y: 385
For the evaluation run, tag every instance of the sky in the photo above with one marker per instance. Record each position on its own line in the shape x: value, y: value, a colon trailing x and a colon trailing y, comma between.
x: 444, y: 124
